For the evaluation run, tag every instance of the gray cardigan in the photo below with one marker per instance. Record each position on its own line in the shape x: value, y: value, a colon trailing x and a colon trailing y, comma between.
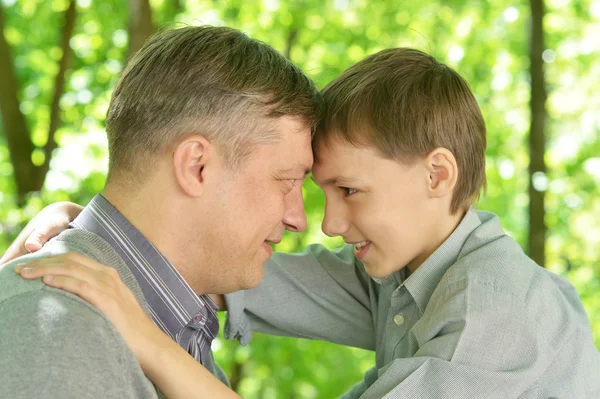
x: 54, y: 344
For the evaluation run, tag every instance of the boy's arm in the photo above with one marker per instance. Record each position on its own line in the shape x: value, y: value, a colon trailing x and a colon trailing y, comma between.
x: 316, y: 294
x: 53, y: 345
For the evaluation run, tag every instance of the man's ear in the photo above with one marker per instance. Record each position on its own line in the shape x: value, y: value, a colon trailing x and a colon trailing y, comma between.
x: 443, y: 172
x: 190, y: 157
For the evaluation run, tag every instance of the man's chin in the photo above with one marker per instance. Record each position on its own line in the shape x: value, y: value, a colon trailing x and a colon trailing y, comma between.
x: 246, y: 281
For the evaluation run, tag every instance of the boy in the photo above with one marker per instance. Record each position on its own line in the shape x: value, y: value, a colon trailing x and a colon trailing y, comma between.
x: 451, y: 304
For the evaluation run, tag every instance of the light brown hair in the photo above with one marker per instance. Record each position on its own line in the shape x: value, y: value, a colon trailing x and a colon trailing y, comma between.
x: 405, y: 103
x: 213, y: 81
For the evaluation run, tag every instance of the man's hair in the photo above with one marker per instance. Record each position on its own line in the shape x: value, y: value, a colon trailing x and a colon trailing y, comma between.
x: 213, y: 81
x: 405, y: 104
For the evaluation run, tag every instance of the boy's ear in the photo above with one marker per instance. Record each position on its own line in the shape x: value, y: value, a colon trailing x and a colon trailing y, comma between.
x: 190, y: 157
x: 443, y: 172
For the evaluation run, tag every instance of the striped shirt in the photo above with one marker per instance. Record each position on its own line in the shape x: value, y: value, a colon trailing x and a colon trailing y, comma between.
x: 190, y: 319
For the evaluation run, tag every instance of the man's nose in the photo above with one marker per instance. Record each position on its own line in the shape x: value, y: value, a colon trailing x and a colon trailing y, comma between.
x: 295, y: 216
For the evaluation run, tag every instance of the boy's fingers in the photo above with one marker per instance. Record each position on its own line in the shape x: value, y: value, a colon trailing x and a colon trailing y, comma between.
x: 17, y: 248
x: 34, y: 242
x: 60, y: 265
x: 30, y: 273
x: 13, y: 252
x: 41, y: 236
x: 81, y: 288
x: 79, y: 259
x: 71, y: 260
x: 86, y: 290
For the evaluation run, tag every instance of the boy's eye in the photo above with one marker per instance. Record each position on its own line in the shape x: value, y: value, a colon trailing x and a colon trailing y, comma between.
x: 348, y: 191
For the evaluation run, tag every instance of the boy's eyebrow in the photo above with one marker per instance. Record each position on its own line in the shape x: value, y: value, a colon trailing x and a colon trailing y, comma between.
x: 336, y: 181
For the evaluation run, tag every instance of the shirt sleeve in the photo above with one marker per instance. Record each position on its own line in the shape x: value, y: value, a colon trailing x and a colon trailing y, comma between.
x: 318, y: 294
x: 476, y: 340
x: 52, y: 345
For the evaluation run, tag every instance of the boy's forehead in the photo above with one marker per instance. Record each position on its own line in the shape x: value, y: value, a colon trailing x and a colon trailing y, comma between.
x: 334, y: 163
x: 336, y: 149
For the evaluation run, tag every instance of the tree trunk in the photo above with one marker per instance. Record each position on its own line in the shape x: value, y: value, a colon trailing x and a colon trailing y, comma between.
x: 290, y: 43
x: 14, y: 123
x: 537, y: 145
x: 236, y: 374
x: 140, y: 25
x: 59, y: 88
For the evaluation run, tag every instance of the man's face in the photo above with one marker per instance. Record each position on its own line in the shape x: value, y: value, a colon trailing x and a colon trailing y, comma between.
x: 257, y: 203
x: 378, y: 205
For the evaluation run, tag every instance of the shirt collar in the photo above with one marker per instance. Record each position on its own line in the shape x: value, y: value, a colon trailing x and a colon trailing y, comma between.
x: 423, y: 281
x: 173, y: 303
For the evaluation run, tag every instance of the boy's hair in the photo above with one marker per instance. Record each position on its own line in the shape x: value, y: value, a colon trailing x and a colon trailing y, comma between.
x: 405, y: 103
x: 213, y: 81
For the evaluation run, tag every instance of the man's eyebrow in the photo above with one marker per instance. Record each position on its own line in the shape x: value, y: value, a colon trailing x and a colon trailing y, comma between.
x: 336, y: 181
x: 296, y: 169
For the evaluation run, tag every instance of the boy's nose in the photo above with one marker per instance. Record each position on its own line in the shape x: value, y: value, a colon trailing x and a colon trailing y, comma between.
x: 334, y: 224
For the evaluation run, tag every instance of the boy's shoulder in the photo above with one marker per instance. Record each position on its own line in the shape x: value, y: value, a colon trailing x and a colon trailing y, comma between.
x: 493, y: 262
x: 493, y: 258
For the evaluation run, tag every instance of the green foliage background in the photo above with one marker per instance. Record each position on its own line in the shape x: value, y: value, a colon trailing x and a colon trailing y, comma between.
x: 486, y: 41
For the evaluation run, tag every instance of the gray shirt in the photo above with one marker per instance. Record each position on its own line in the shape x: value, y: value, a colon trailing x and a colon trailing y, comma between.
x: 54, y: 344
x: 478, y: 319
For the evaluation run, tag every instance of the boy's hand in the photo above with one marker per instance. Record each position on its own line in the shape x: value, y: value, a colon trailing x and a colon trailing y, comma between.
x: 50, y: 222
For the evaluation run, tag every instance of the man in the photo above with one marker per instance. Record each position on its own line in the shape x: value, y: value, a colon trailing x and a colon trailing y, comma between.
x: 207, y: 157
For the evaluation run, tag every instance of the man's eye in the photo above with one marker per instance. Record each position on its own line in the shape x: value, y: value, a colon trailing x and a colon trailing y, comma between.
x: 348, y: 191
x: 290, y: 185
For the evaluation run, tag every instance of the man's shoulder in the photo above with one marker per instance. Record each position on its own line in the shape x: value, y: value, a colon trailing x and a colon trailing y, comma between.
x: 55, y: 344
x: 55, y: 312
x: 33, y: 300
x: 75, y: 240
x: 68, y: 345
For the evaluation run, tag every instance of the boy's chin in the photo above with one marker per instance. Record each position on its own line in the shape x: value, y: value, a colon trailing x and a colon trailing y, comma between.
x: 378, y: 272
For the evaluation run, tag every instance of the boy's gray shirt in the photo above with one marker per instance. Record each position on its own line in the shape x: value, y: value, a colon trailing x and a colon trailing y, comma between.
x: 55, y: 345
x: 478, y: 319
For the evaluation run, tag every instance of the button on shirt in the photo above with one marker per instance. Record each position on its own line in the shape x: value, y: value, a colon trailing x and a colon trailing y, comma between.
x: 478, y: 319
x: 190, y: 319
x: 399, y: 319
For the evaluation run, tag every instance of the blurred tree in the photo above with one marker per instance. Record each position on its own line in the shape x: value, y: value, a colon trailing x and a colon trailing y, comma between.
x: 30, y: 171
x: 140, y: 24
x: 537, y: 138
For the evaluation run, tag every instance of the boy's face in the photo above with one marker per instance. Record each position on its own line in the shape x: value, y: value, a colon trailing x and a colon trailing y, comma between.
x: 382, y: 207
